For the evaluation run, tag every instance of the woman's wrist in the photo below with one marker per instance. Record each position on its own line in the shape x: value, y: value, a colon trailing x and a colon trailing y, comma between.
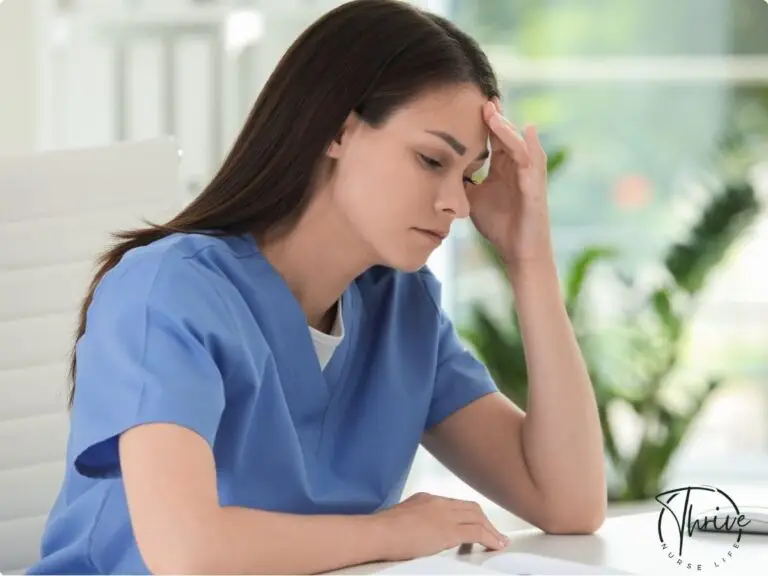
x: 380, y: 535
x: 527, y: 275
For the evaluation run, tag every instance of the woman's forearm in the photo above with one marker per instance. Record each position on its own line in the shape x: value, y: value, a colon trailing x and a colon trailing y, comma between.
x: 562, y: 436
x: 248, y: 541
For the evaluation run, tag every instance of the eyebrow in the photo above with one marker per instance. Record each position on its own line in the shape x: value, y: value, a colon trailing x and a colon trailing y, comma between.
x: 457, y: 146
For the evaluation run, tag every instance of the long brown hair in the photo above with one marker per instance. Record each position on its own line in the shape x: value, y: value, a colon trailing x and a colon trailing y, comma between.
x: 367, y: 56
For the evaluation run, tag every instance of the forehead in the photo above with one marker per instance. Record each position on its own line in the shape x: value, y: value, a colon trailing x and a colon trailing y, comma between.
x: 455, y: 110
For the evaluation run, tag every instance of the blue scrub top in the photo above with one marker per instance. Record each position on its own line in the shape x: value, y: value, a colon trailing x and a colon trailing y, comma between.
x: 203, y: 332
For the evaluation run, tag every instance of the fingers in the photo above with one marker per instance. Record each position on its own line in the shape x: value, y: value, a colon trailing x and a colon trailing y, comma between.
x: 489, y: 110
x: 480, y: 520
x: 477, y: 534
x: 513, y: 143
x: 535, y: 149
x: 467, y: 518
x: 441, y: 523
x: 506, y: 134
x: 471, y: 514
x: 525, y: 148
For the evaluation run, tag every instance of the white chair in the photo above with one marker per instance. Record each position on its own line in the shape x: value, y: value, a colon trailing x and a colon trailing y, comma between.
x: 56, y: 212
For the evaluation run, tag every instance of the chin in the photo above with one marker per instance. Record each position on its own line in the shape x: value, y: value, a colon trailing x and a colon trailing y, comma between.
x: 407, y: 262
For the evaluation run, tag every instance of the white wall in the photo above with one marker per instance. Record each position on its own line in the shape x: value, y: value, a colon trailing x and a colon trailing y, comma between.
x: 19, y: 54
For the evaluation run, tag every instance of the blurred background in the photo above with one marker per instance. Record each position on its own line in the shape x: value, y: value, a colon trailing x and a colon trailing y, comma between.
x: 655, y: 115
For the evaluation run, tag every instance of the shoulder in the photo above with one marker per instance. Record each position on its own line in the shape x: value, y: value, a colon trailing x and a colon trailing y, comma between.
x: 182, y: 294
x: 184, y: 253
x: 182, y: 274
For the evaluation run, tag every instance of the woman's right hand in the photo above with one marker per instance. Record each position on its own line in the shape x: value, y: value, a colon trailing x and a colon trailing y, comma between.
x: 425, y: 524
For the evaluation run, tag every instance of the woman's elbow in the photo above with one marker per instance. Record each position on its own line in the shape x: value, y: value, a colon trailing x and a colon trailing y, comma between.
x: 575, y: 521
x: 573, y: 527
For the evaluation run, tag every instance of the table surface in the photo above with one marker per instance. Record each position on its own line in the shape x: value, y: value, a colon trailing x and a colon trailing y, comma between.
x: 632, y: 543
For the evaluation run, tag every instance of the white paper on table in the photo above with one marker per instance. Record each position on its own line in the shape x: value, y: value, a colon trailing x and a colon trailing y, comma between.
x: 513, y: 563
x: 519, y: 563
x: 436, y: 565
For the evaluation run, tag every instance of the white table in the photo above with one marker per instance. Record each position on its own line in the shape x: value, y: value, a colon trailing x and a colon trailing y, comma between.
x: 631, y: 543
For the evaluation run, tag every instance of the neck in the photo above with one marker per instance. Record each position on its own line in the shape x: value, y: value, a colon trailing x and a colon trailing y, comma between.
x: 316, y: 261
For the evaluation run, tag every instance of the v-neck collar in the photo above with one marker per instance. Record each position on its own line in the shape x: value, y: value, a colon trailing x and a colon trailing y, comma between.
x: 310, y: 387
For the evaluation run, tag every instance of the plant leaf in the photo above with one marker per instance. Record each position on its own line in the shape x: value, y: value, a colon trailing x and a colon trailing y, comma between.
x: 721, y: 223
x: 661, y: 301
x: 579, y: 270
x: 500, y: 348
x: 556, y: 160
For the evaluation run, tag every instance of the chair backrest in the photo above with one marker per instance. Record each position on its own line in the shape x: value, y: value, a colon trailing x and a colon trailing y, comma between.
x: 57, y: 210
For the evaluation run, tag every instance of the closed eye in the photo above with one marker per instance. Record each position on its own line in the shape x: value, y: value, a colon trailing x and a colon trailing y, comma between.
x: 433, y: 164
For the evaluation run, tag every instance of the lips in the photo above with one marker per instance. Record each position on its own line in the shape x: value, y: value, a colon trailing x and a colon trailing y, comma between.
x: 437, y: 235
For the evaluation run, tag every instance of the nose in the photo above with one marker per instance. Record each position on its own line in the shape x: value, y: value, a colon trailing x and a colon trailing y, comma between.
x: 452, y: 199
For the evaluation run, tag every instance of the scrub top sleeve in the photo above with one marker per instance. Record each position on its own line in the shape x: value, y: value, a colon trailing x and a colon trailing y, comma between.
x: 460, y: 378
x: 147, y: 356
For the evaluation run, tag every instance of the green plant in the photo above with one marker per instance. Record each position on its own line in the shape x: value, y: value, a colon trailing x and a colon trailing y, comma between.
x: 649, y: 337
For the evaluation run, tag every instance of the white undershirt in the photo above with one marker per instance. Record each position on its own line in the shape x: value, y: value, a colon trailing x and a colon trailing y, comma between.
x: 325, y: 344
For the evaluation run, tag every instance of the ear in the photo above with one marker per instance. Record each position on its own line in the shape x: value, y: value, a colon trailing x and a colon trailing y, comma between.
x: 335, y: 147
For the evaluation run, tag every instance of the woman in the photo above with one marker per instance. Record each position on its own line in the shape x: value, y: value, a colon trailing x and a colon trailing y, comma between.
x: 253, y: 379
